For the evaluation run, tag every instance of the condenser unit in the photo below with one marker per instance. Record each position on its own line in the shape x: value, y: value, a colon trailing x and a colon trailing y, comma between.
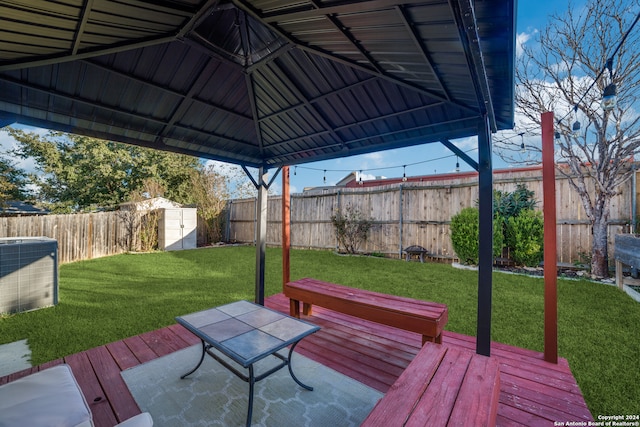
x: 28, y: 273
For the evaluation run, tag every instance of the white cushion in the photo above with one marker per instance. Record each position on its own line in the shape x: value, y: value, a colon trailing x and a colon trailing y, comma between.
x: 49, y: 398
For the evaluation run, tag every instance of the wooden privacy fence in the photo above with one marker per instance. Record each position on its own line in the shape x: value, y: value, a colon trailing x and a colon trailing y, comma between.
x: 403, y: 215
x: 84, y: 236
x: 420, y: 214
x: 79, y: 236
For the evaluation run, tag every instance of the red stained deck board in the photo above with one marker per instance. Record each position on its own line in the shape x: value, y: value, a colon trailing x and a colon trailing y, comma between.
x: 115, y: 389
x: 570, y: 405
x: 160, y: 342
x: 395, y: 409
x: 448, y: 380
x: 337, y: 339
x: 477, y: 401
x: 370, y: 340
x: 140, y: 349
x: 352, y: 363
x: 184, y: 335
x: 122, y: 355
x: 103, y: 415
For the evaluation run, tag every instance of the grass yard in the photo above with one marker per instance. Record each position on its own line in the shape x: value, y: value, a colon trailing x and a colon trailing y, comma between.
x: 108, y: 299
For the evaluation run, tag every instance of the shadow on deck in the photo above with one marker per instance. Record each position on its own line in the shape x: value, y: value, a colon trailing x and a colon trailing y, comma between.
x: 532, y: 392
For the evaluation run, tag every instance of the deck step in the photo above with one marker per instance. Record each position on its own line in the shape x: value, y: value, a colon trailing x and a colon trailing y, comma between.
x: 442, y: 386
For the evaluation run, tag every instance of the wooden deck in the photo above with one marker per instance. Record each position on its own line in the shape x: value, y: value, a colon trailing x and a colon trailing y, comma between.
x: 533, y: 392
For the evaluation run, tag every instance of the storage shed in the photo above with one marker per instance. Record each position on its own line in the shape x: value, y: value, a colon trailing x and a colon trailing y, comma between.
x: 177, y: 229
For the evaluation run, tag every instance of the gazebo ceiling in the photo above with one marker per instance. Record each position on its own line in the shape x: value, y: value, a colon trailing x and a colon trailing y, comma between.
x: 259, y: 82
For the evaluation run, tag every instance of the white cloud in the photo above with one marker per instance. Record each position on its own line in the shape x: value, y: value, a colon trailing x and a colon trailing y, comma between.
x: 365, y: 176
x: 521, y: 39
x: 376, y: 158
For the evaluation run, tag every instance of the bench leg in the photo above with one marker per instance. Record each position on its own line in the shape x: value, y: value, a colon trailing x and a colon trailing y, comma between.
x: 437, y: 340
x: 294, y: 308
x: 306, y: 309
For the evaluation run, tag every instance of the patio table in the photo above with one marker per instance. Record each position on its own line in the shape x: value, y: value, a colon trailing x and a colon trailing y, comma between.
x: 247, y: 333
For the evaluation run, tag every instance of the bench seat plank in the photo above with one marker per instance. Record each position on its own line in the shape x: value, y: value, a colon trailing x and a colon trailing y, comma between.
x: 442, y: 386
x: 424, y: 317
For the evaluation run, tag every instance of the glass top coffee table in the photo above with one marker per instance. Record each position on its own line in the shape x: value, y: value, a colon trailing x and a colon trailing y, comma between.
x: 246, y: 333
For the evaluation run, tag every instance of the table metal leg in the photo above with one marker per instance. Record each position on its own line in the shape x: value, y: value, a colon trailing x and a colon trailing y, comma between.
x: 291, y: 370
x: 204, y: 350
x: 252, y: 381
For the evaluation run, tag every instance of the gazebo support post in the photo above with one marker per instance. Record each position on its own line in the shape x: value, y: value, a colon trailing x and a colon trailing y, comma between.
x: 485, y: 239
x: 550, y: 241
x: 261, y: 234
x: 286, y: 226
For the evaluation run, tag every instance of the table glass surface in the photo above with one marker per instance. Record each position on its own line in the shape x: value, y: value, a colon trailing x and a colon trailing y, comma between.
x: 246, y: 332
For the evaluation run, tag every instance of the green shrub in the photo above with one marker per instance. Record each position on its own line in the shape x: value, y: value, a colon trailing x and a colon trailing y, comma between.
x: 525, y: 236
x: 464, y: 235
x: 352, y: 228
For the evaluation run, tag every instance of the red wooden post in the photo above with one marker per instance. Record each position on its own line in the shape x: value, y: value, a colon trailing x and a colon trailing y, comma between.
x: 550, y: 242
x: 286, y: 226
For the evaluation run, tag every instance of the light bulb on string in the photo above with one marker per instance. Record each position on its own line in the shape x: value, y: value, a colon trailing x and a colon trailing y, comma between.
x: 360, y: 181
x: 576, y: 124
x: 404, y: 173
x: 295, y: 169
x: 609, y: 95
x: 457, y: 164
x: 324, y: 178
x: 523, y: 149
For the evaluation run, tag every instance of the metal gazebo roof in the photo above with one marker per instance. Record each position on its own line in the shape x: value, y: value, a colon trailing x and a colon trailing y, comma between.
x: 268, y: 83
x: 256, y: 82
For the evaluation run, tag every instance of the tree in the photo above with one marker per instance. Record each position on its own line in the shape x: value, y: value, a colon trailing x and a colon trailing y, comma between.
x: 210, y: 193
x: 565, y: 72
x: 79, y: 173
x: 13, y: 181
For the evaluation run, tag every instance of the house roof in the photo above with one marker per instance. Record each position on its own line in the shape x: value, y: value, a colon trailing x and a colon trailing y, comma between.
x: 259, y: 83
x: 18, y: 208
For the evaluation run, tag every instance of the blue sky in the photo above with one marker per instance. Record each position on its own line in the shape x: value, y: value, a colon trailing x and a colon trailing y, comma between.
x: 421, y: 159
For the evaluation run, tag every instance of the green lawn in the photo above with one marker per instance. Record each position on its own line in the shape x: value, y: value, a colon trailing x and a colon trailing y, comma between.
x: 107, y: 299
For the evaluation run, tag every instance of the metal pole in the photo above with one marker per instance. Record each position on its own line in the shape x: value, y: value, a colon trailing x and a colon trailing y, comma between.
x: 400, y: 224
x: 286, y: 226
x: 485, y: 239
x: 261, y: 235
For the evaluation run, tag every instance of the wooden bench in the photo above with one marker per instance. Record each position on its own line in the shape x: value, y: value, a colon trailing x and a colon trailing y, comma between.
x: 423, y: 317
x: 442, y: 386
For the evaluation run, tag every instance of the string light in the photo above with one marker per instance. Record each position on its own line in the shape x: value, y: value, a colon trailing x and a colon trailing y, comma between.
x: 295, y: 169
x: 324, y: 178
x: 610, y: 90
x: 360, y: 181
x: 609, y: 96
x: 522, y: 147
x: 457, y: 164
x: 404, y: 173
x: 576, y: 124
x: 435, y: 159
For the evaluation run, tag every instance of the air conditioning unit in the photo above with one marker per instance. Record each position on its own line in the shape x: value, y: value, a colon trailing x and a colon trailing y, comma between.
x: 28, y: 273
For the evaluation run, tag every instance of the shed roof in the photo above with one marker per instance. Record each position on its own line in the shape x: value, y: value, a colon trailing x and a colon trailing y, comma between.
x: 262, y: 83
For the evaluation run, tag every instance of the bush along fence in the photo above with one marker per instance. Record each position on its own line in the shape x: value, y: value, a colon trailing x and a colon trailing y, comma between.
x: 420, y: 214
